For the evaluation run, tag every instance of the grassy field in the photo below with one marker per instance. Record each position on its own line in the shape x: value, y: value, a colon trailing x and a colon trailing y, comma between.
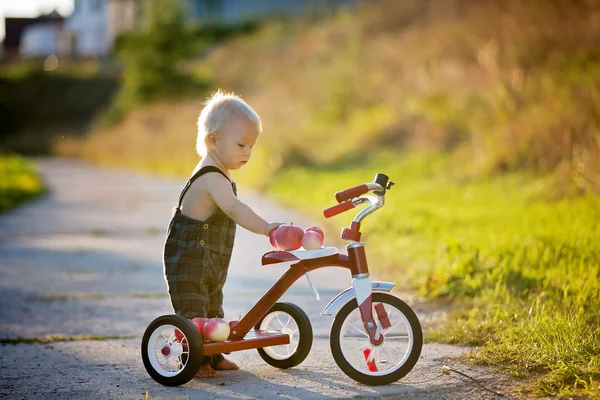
x: 19, y: 182
x: 485, y: 116
x: 522, y: 269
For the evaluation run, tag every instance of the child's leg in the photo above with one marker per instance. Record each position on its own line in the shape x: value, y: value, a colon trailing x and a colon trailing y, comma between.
x: 215, y: 310
x: 190, y: 300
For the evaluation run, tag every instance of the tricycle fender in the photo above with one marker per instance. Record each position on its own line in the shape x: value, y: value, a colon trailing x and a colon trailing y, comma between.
x: 345, y: 296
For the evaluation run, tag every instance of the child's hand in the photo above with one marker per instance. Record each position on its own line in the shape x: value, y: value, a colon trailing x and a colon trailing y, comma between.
x: 271, y: 226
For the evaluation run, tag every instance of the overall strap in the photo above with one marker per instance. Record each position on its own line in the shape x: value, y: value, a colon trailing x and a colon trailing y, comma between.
x: 198, y: 174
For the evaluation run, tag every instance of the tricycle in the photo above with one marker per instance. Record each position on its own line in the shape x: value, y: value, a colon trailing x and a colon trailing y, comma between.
x: 375, y: 337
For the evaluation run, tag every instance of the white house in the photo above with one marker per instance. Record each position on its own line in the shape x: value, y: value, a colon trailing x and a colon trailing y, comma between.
x: 40, y: 40
x: 92, y: 28
x: 88, y: 28
x: 95, y: 24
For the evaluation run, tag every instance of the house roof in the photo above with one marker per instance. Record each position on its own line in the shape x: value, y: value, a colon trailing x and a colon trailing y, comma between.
x: 14, y: 27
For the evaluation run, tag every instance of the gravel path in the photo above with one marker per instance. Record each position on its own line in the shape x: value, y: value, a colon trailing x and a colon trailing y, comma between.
x: 85, y: 260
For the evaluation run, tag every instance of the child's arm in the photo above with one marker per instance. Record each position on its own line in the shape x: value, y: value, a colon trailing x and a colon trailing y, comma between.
x: 220, y: 191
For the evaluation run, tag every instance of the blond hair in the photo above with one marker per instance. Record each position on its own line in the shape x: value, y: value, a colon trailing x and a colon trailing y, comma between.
x: 219, y: 108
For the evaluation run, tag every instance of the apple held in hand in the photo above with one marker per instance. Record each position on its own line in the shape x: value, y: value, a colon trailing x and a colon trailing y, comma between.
x: 272, y: 238
x: 216, y: 330
x: 312, y: 240
x: 288, y: 237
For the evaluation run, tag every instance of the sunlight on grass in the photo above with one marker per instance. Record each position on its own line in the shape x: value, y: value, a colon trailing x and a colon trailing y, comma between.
x: 523, y: 269
x: 19, y: 181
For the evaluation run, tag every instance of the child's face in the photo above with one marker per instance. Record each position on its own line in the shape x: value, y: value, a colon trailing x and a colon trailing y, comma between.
x: 234, y: 142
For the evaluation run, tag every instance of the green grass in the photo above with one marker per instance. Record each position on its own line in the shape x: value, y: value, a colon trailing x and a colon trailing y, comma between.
x: 97, y: 296
x: 19, y: 182
x: 522, y: 268
x: 60, y: 338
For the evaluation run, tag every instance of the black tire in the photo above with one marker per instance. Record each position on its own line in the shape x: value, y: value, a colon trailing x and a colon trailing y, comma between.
x: 305, y: 336
x: 191, y: 362
x: 393, y: 376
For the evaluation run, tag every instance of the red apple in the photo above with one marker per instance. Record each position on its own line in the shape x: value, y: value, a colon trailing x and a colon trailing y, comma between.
x: 216, y: 330
x: 272, y: 238
x: 316, y: 229
x: 289, y: 237
x: 199, y: 322
x: 312, y: 240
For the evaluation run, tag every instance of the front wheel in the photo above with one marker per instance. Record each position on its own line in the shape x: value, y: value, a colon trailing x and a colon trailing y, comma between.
x: 393, y: 359
x: 289, y: 319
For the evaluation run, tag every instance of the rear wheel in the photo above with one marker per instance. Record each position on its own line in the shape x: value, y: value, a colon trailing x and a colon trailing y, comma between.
x: 289, y: 319
x: 171, y: 350
x: 392, y: 359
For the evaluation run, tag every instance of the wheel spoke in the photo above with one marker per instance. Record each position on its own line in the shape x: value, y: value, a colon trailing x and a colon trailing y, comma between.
x: 391, y: 328
x: 397, y: 337
x: 386, y: 353
x: 279, y: 319
x: 358, y: 330
x: 360, y: 346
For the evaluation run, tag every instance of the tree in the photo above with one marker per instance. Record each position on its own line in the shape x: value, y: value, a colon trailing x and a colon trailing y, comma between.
x: 153, y: 54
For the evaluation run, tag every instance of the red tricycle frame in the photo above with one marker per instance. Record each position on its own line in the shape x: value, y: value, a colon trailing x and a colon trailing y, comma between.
x: 355, y: 261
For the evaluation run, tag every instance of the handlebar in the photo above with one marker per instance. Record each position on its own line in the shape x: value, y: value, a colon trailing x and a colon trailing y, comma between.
x: 349, y: 198
x: 338, y: 209
x: 351, y: 193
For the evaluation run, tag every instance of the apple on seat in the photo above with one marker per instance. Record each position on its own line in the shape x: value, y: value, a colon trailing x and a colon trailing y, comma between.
x: 312, y: 238
x: 291, y: 237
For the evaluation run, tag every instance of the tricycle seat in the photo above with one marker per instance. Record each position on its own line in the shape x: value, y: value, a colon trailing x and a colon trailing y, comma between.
x: 279, y: 256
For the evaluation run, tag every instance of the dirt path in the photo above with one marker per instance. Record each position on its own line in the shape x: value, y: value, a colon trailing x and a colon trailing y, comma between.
x: 85, y: 260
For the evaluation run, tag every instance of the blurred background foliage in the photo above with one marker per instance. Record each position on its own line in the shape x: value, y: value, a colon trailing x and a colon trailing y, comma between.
x: 152, y: 56
x: 512, y: 86
x: 485, y: 113
x: 19, y: 181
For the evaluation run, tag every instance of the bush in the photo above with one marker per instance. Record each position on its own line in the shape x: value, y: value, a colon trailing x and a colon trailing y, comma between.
x: 153, y: 57
x: 19, y: 181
